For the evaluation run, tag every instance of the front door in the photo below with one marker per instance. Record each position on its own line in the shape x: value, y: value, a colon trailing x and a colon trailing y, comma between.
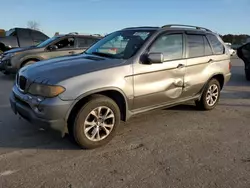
x: 63, y: 47
x: 157, y: 84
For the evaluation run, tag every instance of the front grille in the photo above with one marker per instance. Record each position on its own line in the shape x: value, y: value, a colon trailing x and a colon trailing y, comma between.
x: 22, y: 82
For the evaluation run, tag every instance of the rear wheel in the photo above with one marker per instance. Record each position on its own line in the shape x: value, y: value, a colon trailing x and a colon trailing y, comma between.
x: 96, y: 123
x: 210, y: 96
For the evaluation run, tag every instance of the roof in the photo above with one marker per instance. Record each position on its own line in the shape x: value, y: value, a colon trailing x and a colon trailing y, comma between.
x: 172, y: 27
x: 78, y: 35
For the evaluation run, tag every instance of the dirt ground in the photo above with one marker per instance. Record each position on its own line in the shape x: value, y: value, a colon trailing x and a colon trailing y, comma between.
x: 176, y: 147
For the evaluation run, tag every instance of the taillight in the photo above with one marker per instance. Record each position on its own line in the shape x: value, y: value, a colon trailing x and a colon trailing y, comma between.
x: 230, y: 65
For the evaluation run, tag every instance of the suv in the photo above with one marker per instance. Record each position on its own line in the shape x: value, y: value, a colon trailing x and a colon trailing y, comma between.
x: 129, y: 71
x: 56, y: 46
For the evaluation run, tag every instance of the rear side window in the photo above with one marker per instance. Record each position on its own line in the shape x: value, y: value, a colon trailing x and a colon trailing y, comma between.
x: 86, y: 42
x: 196, y: 46
x: 216, y: 44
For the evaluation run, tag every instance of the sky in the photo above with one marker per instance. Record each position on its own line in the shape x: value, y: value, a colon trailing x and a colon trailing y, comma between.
x: 105, y: 16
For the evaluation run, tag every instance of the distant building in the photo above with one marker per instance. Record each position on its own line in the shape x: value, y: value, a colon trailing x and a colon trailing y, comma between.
x: 2, y: 33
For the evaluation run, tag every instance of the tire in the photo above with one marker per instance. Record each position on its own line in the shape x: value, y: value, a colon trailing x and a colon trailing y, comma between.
x: 28, y: 63
x: 82, y: 132
x: 203, y: 103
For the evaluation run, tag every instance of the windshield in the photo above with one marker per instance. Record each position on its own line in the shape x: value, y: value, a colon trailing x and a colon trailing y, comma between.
x: 120, y: 44
x: 46, y: 42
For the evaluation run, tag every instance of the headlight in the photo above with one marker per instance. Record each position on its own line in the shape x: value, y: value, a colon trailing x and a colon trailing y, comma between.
x: 45, y: 90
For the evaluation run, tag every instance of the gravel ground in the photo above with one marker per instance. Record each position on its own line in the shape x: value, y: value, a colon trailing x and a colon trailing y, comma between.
x: 176, y: 147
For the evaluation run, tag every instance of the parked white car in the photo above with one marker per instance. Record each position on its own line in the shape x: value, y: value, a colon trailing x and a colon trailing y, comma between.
x: 231, y: 50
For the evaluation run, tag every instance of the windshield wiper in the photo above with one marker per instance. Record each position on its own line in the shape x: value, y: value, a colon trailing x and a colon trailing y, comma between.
x: 102, y: 54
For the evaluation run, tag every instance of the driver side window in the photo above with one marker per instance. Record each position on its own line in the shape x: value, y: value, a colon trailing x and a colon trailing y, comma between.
x: 170, y: 45
x: 65, y: 43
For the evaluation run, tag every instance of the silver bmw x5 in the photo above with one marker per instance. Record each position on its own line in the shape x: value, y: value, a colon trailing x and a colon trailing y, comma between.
x: 129, y: 71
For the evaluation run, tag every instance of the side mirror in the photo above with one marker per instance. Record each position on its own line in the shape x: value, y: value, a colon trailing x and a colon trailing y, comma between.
x: 53, y: 47
x: 155, y: 57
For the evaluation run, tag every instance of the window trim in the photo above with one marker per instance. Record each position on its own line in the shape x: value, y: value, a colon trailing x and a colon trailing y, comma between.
x: 170, y: 33
x: 205, y: 38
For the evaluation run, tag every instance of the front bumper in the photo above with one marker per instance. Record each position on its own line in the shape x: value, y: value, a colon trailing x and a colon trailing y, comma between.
x: 47, y: 113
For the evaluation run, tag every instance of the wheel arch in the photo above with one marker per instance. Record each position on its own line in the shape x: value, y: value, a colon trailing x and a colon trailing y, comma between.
x: 2, y: 46
x: 114, y: 93
x: 218, y: 76
x: 29, y: 59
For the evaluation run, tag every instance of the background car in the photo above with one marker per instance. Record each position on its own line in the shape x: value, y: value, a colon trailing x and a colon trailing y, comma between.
x: 21, y: 37
x: 57, y: 46
x: 243, y: 53
x: 231, y: 50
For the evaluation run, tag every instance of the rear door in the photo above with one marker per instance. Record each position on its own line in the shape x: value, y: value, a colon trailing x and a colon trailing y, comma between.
x: 199, y: 55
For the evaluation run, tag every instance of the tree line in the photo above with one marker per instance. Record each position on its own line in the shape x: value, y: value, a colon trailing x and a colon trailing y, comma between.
x: 235, y: 39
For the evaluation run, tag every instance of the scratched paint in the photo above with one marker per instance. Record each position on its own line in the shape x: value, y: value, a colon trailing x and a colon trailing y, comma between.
x: 7, y: 173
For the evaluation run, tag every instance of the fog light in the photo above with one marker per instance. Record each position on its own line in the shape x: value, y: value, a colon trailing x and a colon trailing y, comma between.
x: 38, y: 109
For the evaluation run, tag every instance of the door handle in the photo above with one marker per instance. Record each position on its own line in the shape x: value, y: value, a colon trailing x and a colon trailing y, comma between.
x: 210, y: 61
x: 180, y: 66
x: 71, y: 52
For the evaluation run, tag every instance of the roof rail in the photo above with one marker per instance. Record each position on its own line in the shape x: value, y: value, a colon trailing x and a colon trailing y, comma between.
x: 73, y: 33
x: 149, y: 27
x: 98, y: 35
x: 180, y: 25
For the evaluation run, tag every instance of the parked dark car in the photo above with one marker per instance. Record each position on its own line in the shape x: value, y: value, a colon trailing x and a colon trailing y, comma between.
x: 243, y: 53
x: 57, y: 46
x: 21, y: 37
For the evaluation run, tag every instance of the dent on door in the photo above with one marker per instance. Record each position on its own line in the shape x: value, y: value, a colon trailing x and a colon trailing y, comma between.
x: 158, y: 83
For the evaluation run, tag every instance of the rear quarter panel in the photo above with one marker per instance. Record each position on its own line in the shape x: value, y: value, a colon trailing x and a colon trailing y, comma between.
x: 199, y: 71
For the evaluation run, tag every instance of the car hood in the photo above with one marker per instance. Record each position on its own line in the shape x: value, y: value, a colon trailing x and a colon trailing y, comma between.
x: 20, y: 49
x: 59, y: 69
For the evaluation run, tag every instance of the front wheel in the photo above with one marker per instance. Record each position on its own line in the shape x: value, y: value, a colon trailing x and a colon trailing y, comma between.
x: 28, y: 63
x: 96, y: 123
x: 210, y: 96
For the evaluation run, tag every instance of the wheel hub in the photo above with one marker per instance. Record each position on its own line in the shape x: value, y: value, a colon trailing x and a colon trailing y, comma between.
x: 99, y: 123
